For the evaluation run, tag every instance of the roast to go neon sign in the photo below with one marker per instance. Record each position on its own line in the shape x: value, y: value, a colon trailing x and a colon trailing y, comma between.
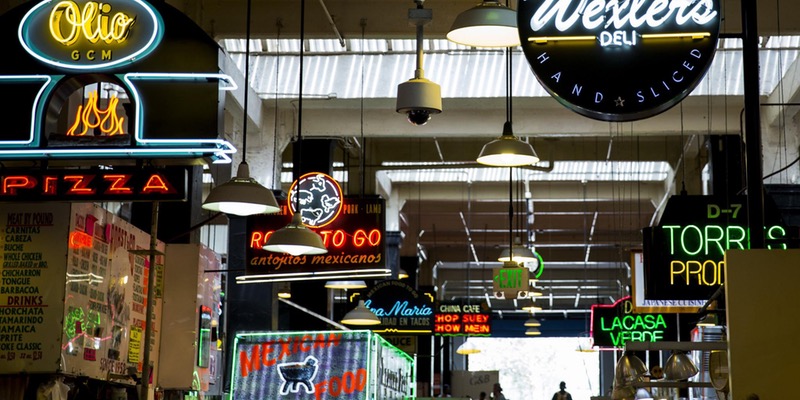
x: 337, y: 238
x: 94, y: 22
x: 709, y: 242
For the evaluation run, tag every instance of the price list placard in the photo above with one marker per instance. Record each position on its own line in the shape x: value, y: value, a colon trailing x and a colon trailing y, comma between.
x: 32, y: 271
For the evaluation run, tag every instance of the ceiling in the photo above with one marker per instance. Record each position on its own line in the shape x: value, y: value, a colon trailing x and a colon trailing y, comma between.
x: 582, y: 207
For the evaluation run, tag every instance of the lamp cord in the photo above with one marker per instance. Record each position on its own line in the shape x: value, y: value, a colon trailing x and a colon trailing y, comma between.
x: 363, y: 143
x: 510, y: 214
x: 275, y: 165
x: 246, y: 82
x: 300, y: 103
x: 508, y: 85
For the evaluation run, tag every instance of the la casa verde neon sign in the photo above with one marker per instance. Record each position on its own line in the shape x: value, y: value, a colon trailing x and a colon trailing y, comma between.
x: 90, y: 35
x: 649, y: 54
x: 614, y: 325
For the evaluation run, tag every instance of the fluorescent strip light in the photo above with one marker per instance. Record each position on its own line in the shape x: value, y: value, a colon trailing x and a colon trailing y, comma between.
x: 545, y: 39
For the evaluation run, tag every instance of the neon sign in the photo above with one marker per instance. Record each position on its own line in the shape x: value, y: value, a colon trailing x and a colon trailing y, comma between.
x: 319, y: 197
x: 94, y: 185
x: 94, y: 36
x: 354, y: 240
x: 453, y: 319
x: 343, y: 365
x: 94, y: 22
x: 683, y: 255
x: 616, y: 324
x: 91, y: 116
x: 652, y: 53
x: 401, y: 308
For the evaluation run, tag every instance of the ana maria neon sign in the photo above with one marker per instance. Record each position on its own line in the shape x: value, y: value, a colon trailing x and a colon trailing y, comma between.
x: 614, y: 325
x: 90, y: 35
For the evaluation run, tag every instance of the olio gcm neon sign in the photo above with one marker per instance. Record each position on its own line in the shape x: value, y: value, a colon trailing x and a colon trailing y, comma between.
x: 701, y: 248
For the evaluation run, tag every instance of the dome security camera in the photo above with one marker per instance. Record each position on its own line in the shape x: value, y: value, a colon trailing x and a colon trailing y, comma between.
x: 419, y: 98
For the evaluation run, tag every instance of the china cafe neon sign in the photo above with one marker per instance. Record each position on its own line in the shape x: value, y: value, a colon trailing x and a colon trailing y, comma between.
x: 614, y: 325
x: 459, y: 320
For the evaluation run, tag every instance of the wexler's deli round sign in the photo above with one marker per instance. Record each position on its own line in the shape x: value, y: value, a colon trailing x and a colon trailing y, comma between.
x: 619, y: 60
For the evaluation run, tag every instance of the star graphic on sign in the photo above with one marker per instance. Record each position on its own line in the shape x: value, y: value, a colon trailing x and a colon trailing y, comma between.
x: 620, y: 101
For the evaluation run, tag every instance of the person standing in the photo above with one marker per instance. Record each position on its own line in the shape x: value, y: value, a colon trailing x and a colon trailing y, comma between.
x: 562, y: 394
x: 497, y: 392
x: 482, y: 396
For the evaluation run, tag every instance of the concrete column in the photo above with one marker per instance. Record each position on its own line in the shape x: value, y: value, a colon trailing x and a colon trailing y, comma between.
x: 780, y: 145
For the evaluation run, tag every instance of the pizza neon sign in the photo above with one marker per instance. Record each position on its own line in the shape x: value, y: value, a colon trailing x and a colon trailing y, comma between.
x: 89, y: 185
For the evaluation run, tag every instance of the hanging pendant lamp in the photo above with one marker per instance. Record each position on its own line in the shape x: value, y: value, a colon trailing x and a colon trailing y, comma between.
x: 507, y: 151
x: 679, y: 366
x: 346, y: 284
x: 242, y: 195
x: 532, y: 322
x: 361, y: 315
x: 295, y: 238
x: 468, y: 348
x: 489, y: 24
x: 533, y: 332
x: 520, y: 254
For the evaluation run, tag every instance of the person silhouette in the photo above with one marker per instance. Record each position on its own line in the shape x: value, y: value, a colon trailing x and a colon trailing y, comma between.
x: 482, y: 396
x: 497, y: 392
x: 562, y: 394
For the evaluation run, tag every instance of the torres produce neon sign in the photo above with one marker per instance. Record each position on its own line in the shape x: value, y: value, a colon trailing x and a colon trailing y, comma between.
x: 683, y: 257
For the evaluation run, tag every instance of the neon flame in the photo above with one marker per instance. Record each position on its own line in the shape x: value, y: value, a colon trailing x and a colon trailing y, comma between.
x: 91, y: 116
x: 78, y: 239
x: 93, y: 21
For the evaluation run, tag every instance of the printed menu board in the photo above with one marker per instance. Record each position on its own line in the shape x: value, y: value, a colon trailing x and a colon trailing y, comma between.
x: 70, y: 287
x: 34, y: 246
x: 106, y: 295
